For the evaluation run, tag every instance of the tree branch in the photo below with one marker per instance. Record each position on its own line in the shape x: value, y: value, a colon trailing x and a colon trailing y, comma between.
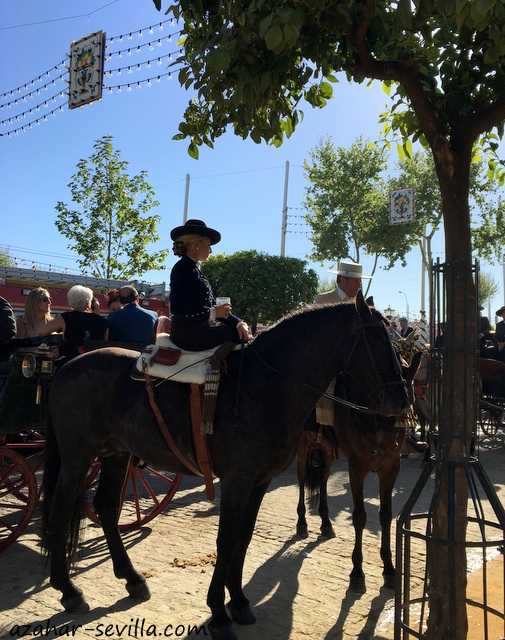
x: 406, y: 73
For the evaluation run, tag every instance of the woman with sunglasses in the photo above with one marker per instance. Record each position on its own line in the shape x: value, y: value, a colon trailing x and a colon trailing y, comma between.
x: 37, y: 314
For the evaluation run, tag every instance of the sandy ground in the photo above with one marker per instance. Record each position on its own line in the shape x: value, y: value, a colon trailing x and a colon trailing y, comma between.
x: 298, y: 588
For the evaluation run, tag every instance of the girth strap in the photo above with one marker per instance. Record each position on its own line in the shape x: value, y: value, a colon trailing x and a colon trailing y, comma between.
x: 201, y: 442
x: 170, y: 441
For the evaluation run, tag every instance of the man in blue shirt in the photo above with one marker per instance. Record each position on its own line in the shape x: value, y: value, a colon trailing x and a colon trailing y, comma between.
x: 132, y: 323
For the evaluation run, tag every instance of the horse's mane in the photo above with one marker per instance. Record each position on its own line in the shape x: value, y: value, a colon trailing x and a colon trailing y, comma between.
x: 293, y: 317
x: 297, y: 317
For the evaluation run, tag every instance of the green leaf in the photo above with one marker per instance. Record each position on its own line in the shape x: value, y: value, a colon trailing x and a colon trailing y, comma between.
x: 291, y: 34
x: 193, y: 151
x: 274, y: 37
x: 404, y: 15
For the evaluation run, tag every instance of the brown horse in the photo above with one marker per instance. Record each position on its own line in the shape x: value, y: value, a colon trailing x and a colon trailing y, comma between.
x: 371, y: 443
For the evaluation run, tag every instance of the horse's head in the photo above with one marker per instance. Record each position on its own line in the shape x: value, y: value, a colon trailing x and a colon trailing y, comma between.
x: 374, y: 366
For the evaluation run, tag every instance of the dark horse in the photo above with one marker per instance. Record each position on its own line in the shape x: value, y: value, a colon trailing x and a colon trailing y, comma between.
x: 371, y: 443
x: 263, y: 401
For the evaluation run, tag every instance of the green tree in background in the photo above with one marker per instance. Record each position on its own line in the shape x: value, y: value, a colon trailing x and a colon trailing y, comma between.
x: 6, y: 260
x: 111, y: 231
x: 348, y: 202
x: 262, y: 288
x: 488, y: 288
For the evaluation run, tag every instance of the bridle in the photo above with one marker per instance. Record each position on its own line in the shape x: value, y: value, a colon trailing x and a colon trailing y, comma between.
x: 379, y: 389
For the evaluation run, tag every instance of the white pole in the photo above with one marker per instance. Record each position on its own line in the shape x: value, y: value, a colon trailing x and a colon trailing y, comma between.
x: 186, y: 198
x: 284, y: 211
x: 504, y: 276
x: 423, y: 276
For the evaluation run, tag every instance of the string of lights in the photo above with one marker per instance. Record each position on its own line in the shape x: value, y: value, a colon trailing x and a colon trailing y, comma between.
x: 32, y: 89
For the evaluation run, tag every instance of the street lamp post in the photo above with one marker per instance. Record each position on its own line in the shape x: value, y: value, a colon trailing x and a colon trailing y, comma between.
x: 389, y: 313
x: 407, y: 303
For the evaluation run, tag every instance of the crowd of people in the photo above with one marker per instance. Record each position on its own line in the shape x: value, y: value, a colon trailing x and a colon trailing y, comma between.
x: 127, y: 321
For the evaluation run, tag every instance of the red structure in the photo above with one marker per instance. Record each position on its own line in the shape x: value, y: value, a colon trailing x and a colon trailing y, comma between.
x: 16, y: 284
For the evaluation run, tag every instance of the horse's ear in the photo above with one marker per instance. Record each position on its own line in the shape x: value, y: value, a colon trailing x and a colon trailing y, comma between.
x: 361, y: 305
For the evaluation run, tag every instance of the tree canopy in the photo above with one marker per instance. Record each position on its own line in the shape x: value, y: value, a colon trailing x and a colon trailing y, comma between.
x: 262, y: 288
x: 111, y: 230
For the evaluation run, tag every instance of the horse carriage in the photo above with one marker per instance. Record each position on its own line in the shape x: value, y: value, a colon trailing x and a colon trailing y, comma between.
x: 24, y: 389
x: 492, y: 397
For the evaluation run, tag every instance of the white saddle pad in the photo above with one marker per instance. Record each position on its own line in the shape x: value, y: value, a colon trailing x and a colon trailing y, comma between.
x: 190, y: 368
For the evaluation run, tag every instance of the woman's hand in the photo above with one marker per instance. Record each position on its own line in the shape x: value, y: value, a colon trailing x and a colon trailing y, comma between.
x: 243, y: 331
x: 223, y: 310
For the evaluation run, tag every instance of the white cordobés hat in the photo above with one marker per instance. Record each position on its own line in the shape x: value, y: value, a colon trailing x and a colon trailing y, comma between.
x: 350, y: 270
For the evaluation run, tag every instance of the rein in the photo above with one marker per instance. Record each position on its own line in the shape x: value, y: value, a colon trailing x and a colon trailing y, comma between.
x: 330, y: 396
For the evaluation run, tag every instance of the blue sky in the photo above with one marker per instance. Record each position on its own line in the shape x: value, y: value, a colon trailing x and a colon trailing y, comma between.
x: 238, y: 187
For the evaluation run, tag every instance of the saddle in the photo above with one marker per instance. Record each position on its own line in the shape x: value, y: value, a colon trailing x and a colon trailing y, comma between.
x: 165, y: 360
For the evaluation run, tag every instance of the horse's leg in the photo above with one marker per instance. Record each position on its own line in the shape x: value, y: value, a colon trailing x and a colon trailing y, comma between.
x: 387, y: 478
x: 64, y: 524
x: 239, y: 604
x: 107, y: 503
x: 239, y: 508
x: 301, y: 526
x: 326, y: 526
x: 357, y: 479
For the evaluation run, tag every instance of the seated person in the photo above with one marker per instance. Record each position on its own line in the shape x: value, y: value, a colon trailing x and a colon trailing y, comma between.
x: 197, y: 322
x: 37, y: 314
x: 132, y: 323
x: 113, y: 300
x: 79, y: 324
x: 7, y: 331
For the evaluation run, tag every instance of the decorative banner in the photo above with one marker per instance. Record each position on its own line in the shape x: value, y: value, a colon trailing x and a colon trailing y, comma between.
x: 401, y: 208
x: 86, y: 70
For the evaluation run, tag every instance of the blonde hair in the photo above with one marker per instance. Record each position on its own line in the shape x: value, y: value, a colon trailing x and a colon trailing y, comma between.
x: 182, y: 242
x: 31, y: 306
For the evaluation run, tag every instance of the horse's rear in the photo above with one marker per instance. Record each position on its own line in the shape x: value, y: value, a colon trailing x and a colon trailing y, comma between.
x: 79, y: 429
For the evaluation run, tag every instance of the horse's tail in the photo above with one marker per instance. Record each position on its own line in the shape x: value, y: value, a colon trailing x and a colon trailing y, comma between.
x: 52, y: 466
x: 319, y: 459
x: 315, y: 476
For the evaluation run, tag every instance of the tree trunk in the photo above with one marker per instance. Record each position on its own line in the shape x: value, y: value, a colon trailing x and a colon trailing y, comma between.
x: 446, y: 552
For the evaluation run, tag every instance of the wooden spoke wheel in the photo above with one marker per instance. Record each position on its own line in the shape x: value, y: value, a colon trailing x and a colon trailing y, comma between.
x: 30, y: 444
x: 18, y: 495
x: 491, y: 420
x: 146, y: 492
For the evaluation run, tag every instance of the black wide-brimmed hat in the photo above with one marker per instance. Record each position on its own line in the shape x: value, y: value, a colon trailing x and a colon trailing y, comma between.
x: 197, y: 227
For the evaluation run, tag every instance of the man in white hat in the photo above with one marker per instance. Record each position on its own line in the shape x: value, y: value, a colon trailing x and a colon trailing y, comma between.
x: 349, y: 276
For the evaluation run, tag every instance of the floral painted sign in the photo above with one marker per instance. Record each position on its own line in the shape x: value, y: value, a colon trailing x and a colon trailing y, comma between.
x: 86, y: 70
x: 401, y: 208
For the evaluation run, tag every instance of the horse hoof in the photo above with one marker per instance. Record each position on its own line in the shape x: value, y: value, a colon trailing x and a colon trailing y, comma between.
x: 138, y: 591
x: 221, y: 632
x: 75, y: 604
x: 241, y: 615
x: 302, y: 531
x: 357, y: 584
x: 327, y: 532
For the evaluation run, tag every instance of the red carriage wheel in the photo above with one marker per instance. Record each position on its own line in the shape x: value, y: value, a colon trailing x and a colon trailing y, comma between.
x: 145, y: 494
x: 30, y: 444
x: 18, y: 496
x: 491, y: 420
